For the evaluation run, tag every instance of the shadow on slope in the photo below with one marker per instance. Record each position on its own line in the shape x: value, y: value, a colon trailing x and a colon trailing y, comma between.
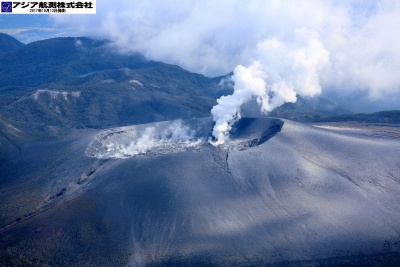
x: 304, y: 197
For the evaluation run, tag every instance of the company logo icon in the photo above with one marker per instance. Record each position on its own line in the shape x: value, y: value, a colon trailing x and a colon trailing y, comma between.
x: 6, y: 7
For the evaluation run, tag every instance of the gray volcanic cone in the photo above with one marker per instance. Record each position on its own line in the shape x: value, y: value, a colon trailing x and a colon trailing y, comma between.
x: 278, y: 192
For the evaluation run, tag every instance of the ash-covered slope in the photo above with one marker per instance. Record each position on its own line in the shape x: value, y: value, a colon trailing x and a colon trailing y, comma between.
x: 299, y: 195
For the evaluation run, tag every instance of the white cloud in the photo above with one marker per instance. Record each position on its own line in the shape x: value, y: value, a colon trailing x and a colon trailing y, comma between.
x: 356, y: 41
x: 16, y: 31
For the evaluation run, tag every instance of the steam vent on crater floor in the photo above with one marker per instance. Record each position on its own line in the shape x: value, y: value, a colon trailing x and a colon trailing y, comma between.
x: 278, y: 192
x: 111, y: 158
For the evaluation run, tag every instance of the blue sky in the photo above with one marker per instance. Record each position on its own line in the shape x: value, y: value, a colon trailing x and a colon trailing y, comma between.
x: 29, y: 28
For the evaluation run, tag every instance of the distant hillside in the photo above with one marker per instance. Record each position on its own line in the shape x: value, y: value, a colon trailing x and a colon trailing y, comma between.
x: 8, y: 43
x: 308, y: 109
x: 392, y: 116
x: 51, y: 86
x: 318, y: 109
x: 62, y: 60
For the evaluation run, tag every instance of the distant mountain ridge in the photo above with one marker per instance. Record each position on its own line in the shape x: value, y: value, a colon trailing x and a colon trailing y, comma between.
x: 390, y: 116
x: 51, y: 86
x: 62, y: 60
x: 278, y: 193
x: 8, y: 43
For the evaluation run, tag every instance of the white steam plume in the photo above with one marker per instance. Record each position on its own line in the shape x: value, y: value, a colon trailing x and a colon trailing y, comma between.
x: 284, y: 72
x: 159, y: 138
x: 213, y: 37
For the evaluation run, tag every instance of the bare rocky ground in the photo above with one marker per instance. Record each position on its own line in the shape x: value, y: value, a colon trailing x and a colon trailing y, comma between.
x: 280, y: 193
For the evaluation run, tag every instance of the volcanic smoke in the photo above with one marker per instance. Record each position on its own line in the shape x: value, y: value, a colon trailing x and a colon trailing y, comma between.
x: 282, y: 72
